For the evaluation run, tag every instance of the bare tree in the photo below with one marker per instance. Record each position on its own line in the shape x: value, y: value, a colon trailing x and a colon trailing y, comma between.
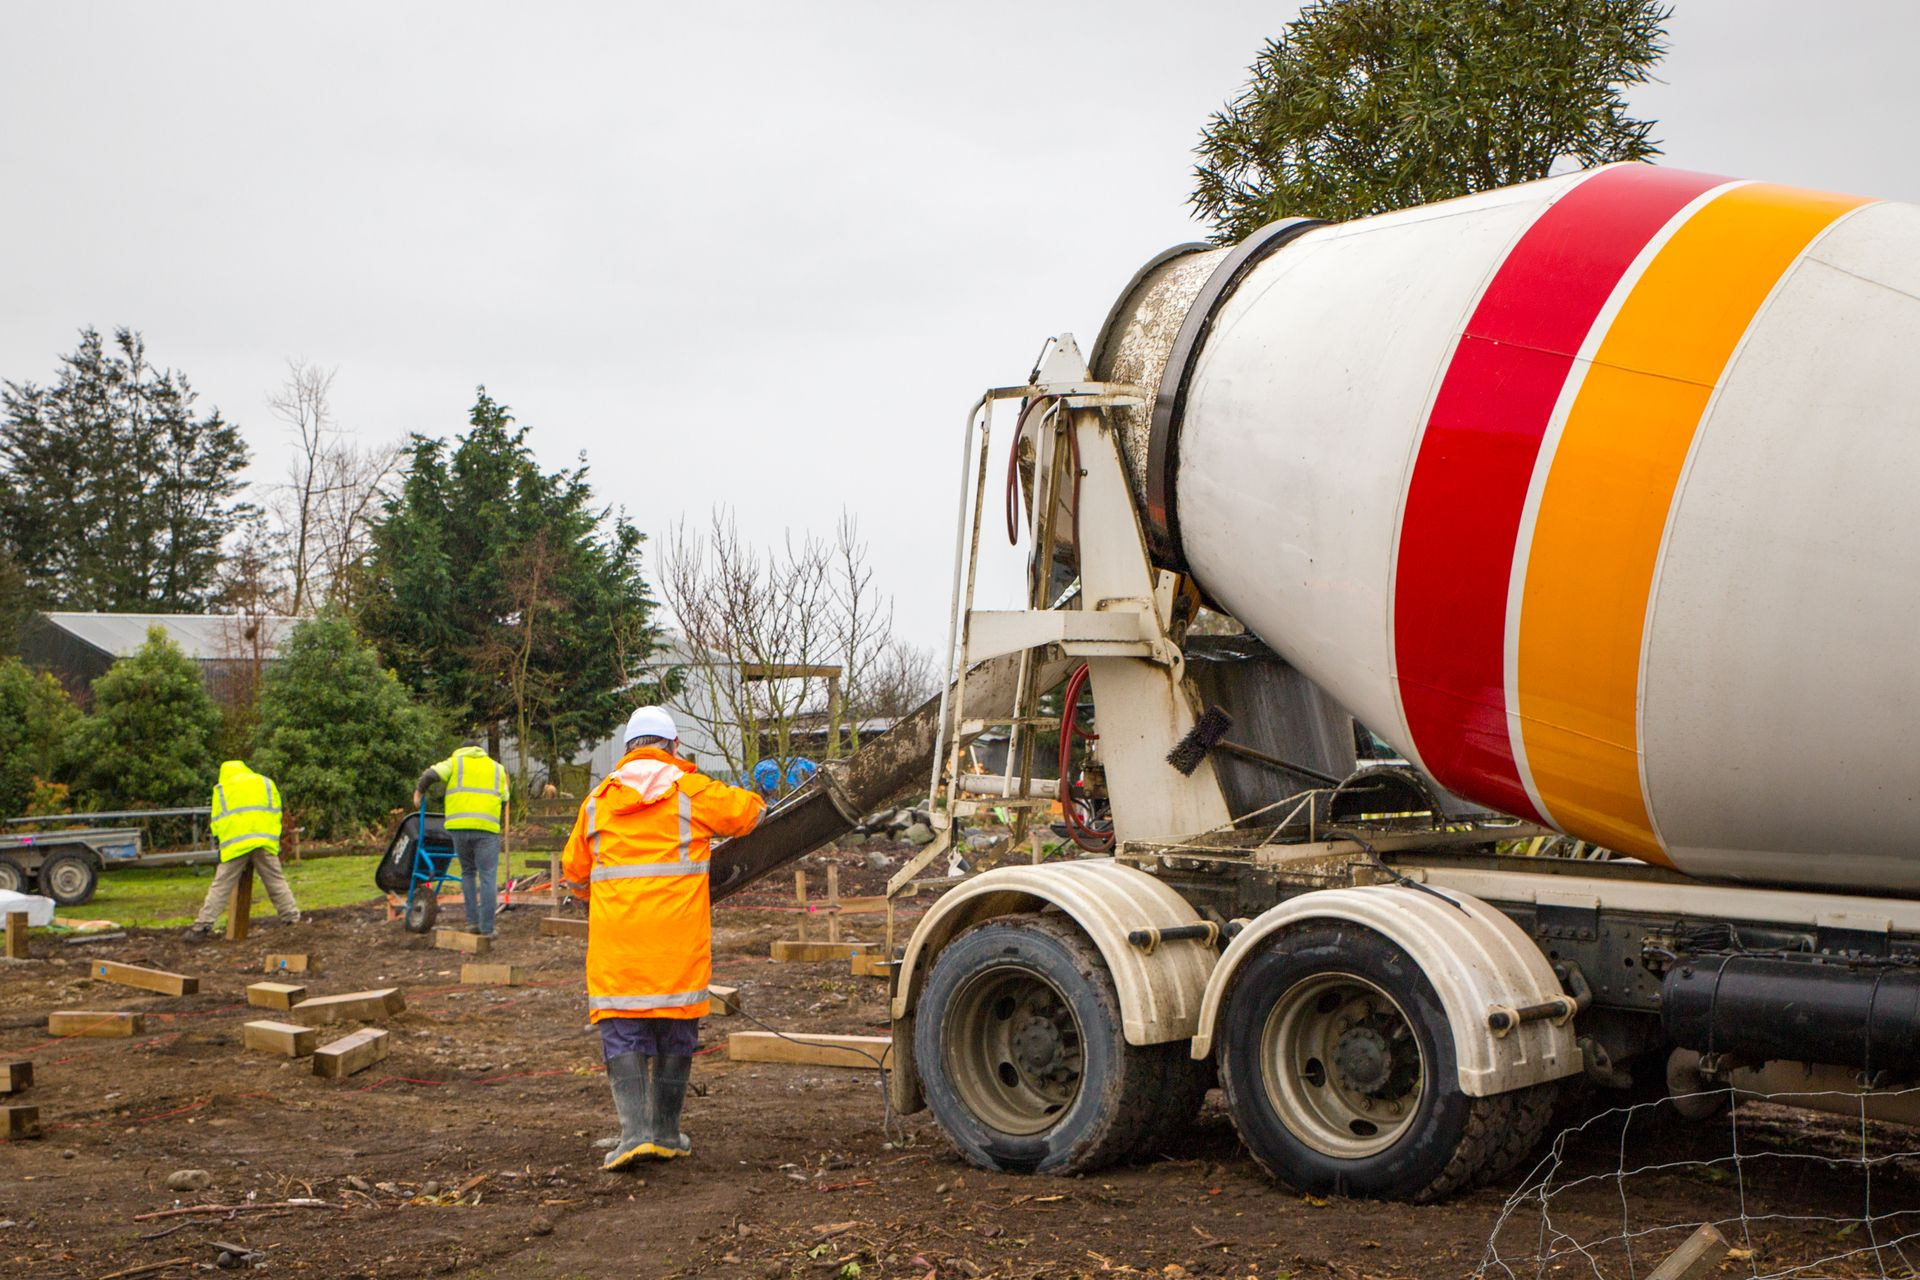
x: 900, y: 678
x: 529, y: 585
x: 332, y: 493
x: 756, y: 634
x: 778, y: 639
x: 862, y: 620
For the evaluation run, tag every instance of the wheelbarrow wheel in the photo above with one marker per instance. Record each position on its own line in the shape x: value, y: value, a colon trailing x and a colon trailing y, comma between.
x: 422, y: 908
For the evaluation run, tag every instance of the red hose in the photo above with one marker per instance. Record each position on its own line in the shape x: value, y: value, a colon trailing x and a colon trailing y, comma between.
x: 1077, y: 824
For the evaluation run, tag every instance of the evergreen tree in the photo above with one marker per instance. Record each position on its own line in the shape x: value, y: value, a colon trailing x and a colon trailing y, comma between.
x: 1366, y: 105
x: 149, y: 741
x: 503, y: 597
x: 113, y: 495
x: 35, y: 715
x: 338, y: 733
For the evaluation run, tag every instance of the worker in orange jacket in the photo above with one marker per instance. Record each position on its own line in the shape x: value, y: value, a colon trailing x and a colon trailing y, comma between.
x: 638, y: 854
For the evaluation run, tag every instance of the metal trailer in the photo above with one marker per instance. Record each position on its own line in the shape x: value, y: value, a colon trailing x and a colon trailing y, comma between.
x: 65, y: 863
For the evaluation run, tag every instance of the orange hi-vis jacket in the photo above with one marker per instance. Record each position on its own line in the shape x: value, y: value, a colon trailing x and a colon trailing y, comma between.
x: 639, y: 854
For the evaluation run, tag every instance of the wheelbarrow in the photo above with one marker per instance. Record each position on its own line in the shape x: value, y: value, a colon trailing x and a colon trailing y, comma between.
x: 420, y: 860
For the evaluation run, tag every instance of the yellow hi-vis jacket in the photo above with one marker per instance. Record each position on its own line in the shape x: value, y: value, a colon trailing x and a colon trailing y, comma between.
x: 638, y: 853
x: 246, y: 812
x: 476, y: 790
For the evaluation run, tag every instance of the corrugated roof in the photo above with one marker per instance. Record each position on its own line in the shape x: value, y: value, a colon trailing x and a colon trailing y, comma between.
x: 204, y: 637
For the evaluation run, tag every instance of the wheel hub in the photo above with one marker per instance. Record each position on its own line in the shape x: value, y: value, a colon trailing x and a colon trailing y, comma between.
x: 1363, y: 1058
x: 1037, y: 1045
x: 1342, y: 1066
x: 1014, y: 1049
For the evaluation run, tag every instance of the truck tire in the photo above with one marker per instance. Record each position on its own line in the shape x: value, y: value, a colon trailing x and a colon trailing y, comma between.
x: 1177, y: 1100
x: 69, y: 878
x: 13, y: 876
x: 1021, y: 1054
x: 1338, y: 1066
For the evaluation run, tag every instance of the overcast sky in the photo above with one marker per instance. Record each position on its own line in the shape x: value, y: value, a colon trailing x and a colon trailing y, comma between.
x: 751, y: 254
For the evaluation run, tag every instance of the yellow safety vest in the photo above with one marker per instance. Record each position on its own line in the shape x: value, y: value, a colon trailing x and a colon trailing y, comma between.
x: 246, y: 812
x: 476, y: 790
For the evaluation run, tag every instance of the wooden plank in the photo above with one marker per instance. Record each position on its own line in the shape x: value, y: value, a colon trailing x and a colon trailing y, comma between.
x: 563, y: 927
x: 810, y: 1050
x: 871, y: 964
x: 1698, y: 1256
x: 476, y: 944
x: 95, y: 1024
x: 493, y: 975
x: 20, y: 1122
x: 16, y: 935
x: 354, y: 1006
x: 349, y: 1054
x: 283, y: 962
x: 132, y: 975
x: 792, y: 951
x: 275, y: 995
x: 240, y: 909
x: 16, y: 1077
x: 724, y: 1001
x: 287, y: 1039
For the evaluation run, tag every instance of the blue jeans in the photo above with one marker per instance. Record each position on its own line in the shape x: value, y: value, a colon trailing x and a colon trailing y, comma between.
x: 655, y: 1037
x: 479, y: 853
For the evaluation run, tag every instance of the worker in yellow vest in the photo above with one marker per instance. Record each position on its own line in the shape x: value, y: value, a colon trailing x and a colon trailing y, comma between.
x: 246, y: 827
x: 476, y: 787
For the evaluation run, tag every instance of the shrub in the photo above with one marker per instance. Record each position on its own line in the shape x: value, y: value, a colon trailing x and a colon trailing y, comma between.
x: 149, y: 742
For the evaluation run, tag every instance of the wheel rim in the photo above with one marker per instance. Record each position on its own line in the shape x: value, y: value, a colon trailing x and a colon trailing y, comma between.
x: 1014, y: 1050
x: 11, y: 881
x: 1342, y: 1065
x: 66, y: 879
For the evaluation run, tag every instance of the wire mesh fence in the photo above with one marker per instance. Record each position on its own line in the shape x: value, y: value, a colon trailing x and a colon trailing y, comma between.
x: 1794, y: 1193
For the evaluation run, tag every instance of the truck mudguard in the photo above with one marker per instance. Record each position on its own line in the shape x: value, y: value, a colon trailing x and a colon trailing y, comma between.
x: 1160, y: 990
x: 1477, y: 959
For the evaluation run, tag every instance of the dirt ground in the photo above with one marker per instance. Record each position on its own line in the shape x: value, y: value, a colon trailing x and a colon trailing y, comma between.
x: 469, y: 1150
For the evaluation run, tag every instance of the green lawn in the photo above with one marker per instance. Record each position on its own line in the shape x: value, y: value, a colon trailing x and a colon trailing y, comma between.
x: 161, y: 896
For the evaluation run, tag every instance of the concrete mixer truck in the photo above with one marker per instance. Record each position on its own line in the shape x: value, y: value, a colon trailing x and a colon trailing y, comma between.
x: 1593, y: 497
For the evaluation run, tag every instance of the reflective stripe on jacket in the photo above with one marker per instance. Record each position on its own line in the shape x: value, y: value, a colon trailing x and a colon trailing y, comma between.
x: 246, y: 812
x: 639, y: 853
x: 476, y: 790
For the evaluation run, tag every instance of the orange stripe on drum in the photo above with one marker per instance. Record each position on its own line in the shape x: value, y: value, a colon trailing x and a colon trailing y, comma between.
x: 1609, y: 491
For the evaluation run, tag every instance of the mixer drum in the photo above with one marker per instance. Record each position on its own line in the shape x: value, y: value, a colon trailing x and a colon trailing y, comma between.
x: 1593, y: 496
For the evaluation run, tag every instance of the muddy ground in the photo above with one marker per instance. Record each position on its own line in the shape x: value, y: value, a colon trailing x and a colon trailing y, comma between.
x: 469, y: 1150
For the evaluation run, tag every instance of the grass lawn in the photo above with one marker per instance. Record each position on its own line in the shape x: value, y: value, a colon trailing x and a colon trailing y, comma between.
x: 161, y: 896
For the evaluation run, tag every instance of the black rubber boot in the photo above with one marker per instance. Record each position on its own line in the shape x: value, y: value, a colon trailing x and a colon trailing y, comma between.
x: 669, y: 1095
x: 628, y: 1076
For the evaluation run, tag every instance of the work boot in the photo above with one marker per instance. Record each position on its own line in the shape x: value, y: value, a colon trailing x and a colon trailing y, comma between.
x: 627, y: 1075
x: 669, y: 1095
x: 199, y: 933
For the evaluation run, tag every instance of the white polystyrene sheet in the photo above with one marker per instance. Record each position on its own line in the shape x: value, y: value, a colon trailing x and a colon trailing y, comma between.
x: 1304, y: 419
x: 39, y: 910
x: 1780, y: 688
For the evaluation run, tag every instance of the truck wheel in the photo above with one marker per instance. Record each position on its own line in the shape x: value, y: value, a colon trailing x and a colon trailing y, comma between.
x: 1177, y: 1099
x: 13, y: 876
x: 68, y: 878
x: 1021, y: 1053
x: 1338, y: 1066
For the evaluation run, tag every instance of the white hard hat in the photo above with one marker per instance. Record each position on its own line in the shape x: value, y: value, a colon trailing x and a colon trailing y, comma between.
x: 651, y: 722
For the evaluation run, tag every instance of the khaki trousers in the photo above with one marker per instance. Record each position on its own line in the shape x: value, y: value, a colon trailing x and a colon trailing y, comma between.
x: 227, y: 879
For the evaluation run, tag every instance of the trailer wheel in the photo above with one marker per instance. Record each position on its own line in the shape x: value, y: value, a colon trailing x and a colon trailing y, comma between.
x: 13, y: 876
x: 1021, y: 1053
x: 69, y: 878
x: 1338, y: 1066
x: 423, y: 909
